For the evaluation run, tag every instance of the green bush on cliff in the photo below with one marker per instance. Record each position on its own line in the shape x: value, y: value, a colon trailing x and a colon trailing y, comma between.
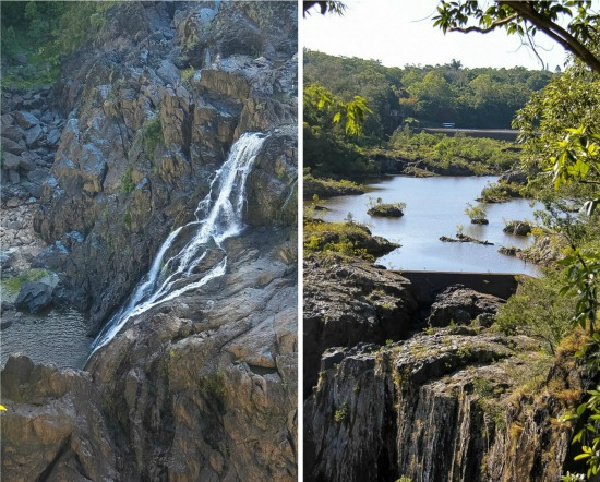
x: 127, y: 184
x: 538, y: 309
x: 153, y: 136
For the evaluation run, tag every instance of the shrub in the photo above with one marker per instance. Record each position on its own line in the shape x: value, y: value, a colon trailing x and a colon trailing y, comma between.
x: 127, y: 184
x: 538, y: 309
x: 153, y: 136
x: 477, y: 214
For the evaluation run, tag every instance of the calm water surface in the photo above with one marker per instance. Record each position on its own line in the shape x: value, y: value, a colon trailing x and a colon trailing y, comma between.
x: 435, y: 207
x: 57, y: 337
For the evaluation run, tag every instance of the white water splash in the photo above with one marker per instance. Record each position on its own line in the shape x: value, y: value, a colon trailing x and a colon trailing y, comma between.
x: 218, y: 217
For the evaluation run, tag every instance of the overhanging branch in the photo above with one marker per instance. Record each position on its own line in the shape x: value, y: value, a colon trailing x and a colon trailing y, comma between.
x: 494, y: 25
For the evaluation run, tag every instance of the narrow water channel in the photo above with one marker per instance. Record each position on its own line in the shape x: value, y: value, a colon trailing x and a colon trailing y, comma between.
x: 435, y: 207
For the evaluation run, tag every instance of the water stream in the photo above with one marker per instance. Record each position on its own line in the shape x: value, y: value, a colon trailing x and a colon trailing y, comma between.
x: 203, y: 258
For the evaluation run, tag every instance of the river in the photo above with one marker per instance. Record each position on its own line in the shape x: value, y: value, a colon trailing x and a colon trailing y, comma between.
x: 435, y: 207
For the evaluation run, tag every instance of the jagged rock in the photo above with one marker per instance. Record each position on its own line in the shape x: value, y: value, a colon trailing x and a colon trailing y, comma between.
x: 26, y: 119
x: 53, y: 425
x: 6, y: 323
x: 33, y: 136
x: 197, y: 129
x: 206, y: 388
x: 347, y: 301
x: 461, y: 305
x: 6, y: 258
x: 38, y: 175
x: 14, y: 133
x: 518, y: 228
x: 14, y: 177
x: 10, y: 161
x: 34, y: 296
x: 12, y: 147
x: 53, y: 137
x: 206, y: 375
x: 435, y: 408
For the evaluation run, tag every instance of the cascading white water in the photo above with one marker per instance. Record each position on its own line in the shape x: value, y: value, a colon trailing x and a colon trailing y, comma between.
x: 218, y: 217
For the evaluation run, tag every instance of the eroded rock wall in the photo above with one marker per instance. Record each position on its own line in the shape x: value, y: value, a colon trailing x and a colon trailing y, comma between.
x: 448, y: 406
x: 149, y: 122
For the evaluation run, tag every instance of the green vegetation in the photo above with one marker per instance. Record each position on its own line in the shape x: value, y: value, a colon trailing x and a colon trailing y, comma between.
x: 331, y: 128
x: 347, y: 238
x: 498, y: 192
x: 379, y: 208
x: 538, y: 309
x: 458, y: 155
x: 477, y: 213
x: 341, y: 414
x: 324, y: 188
x: 343, y: 131
x: 127, y: 184
x: 425, y: 95
x: 560, y: 132
x: 35, y: 35
x: 153, y: 136
x: 11, y: 286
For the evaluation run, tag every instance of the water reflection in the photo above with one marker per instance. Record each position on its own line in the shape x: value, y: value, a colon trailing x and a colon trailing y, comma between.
x: 435, y: 208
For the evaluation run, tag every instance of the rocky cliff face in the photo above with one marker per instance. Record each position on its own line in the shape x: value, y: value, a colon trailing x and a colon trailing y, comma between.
x: 459, y: 403
x: 152, y: 115
x: 347, y: 302
x: 436, y: 408
x: 202, y: 387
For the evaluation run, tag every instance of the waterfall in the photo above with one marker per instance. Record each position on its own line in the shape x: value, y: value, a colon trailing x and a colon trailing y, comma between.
x: 217, y: 217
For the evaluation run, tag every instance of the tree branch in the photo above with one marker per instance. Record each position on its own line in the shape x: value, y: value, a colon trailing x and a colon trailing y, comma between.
x: 474, y: 28
x: 556, y: 32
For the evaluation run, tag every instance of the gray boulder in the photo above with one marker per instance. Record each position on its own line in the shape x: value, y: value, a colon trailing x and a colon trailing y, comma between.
x: 461, y: 305
x: 34, y: 297
x: 26, y: 119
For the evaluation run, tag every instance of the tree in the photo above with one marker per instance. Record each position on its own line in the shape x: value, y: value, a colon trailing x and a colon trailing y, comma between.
x: 526, y: 19
x: 332, y: 6
x: 561, y: 133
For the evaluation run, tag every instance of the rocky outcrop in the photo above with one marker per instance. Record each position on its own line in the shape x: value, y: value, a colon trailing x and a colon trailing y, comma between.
x: 347, y: 301
x: 320, y: 233
x: 201, y: 388
x: 518, y: 228
x: 447, y: 406
x: 31, y: 130
x: 463, y: 238
x: 34, y: 296
x: 460, y: 305
x: 169, y: 90
x: 393, y: 210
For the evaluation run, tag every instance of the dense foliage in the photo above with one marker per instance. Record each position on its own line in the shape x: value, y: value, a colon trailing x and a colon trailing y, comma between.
x: 426, y: 95
x: 560, y: 131
x: 457, y: 155
x: 35, y: 35
x: 329, y: 146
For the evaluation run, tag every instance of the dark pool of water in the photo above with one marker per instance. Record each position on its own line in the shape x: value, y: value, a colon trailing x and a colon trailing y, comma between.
x: 57, y: 337
x: 435, y: 207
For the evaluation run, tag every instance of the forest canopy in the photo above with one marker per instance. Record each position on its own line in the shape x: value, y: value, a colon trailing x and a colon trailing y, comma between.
x: 429, y: 95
